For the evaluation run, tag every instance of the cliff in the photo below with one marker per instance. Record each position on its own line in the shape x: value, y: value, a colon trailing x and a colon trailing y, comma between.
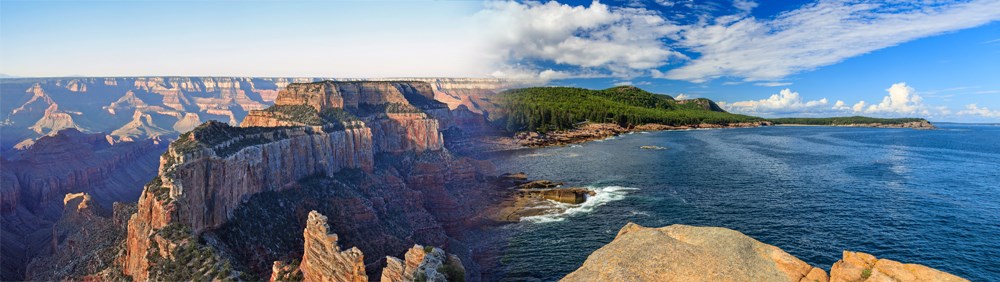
x: 323, y: 260
x: 34, y: 180
x: 689, y: 253
x: 371, y: 138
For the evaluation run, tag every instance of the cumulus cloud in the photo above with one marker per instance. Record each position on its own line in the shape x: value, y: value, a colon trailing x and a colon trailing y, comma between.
x: 974, y: 110
x: 785, y: 101
x: 902, y: 100
x: 620, y: 41
x: 682, y: 96
x: 840, y: 106
x: 629, y: 42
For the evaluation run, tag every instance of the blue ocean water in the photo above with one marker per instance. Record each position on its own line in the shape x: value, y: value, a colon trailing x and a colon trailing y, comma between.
x: 927, y: 197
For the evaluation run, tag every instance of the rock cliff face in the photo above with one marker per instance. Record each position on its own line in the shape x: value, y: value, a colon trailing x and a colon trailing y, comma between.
x: 83, y: 243
x: 423, y: 264
x: 33, y: 182
x: 323, y: 260
x: 108, y: 104
x: 688, y: 253
x: 315, y: 130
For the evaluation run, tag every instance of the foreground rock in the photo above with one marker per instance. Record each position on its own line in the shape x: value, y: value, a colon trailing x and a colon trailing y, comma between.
x: 690, y: 253
x: 857, y: 266
x: 423, y: 264
x: 323, y: 260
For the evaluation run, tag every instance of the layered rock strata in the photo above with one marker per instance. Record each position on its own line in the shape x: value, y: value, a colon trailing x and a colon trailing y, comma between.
x: 316, y: 131
x: 423, y: 264
x: 324, y: 260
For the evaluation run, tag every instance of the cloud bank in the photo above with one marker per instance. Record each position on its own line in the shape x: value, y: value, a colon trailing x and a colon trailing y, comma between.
x: 901, y: 100
x: 628, y: 41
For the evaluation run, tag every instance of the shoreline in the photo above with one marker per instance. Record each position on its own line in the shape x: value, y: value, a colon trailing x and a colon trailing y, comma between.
x: 599, y: 131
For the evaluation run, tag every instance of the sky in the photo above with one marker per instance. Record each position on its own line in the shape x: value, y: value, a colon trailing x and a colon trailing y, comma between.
x: 885, y: 58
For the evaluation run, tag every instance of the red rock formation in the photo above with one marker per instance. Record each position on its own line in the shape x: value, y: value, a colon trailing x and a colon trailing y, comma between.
x: 423, y: 264
x: 323, y: 260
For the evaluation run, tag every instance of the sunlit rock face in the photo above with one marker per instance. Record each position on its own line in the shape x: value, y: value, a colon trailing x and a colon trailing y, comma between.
x: 324, y: 260
x: 689, y: 253
x: 315, y: 129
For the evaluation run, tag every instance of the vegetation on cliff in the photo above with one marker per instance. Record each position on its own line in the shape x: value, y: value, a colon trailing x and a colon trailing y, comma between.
x: 558, y: 108
x: 308, y: 115
x: 844, y: 120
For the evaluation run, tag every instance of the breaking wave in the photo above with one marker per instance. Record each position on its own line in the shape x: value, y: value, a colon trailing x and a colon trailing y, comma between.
x: 602, y: 196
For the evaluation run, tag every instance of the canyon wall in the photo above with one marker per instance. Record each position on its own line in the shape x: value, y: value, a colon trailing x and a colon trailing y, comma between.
x: 33, y: 107
x: 213, y: 170
x: 34, y: 180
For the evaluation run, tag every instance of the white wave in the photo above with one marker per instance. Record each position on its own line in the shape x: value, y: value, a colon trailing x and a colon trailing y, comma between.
x: 575, y: 146
x: 602, y: 196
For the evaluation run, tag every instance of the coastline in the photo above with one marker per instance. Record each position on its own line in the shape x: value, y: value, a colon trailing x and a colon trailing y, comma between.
x: 597, y: 131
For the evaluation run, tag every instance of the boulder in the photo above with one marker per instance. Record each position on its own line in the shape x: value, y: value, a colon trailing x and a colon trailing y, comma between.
x: 858, y: 266
x: 690, y: 253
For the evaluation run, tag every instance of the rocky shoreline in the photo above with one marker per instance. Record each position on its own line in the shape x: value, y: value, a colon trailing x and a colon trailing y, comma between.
x: 598, y: 131
x: 919, y: 125
x: 524, y: 198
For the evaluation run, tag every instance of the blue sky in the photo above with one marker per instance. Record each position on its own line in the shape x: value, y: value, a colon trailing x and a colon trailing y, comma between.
x: 936, y: 59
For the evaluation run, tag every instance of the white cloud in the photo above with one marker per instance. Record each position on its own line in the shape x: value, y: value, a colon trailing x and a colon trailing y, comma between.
x: 666, y: 3
x: 902, y: 99
x: 628, y: 42
x: 840, y: 106
x: 816, y: 35
x: 682, y: 96
x: 744, y: 5
x: 974, y: 110
x: 623, y: 83
x: 785, y: 101
x: 622, y: 41
x: 773, y: 84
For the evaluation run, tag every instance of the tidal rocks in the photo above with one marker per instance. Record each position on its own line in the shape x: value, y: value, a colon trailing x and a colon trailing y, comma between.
x: 563, y: 195
x: 526, y: 198
x: 650, y: 147
x: 858, y: 266
x: 324, y: 260
x: 689, y: 253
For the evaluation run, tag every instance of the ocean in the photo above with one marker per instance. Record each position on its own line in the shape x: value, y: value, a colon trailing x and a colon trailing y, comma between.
x: 930, y: 197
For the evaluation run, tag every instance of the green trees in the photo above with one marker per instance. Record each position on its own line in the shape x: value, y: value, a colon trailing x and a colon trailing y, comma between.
x: 843, y: 120
x: 555, y: 108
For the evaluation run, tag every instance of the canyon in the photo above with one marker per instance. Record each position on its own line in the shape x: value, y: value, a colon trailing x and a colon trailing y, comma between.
x: 370, y: 149
x: 133, y: 120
